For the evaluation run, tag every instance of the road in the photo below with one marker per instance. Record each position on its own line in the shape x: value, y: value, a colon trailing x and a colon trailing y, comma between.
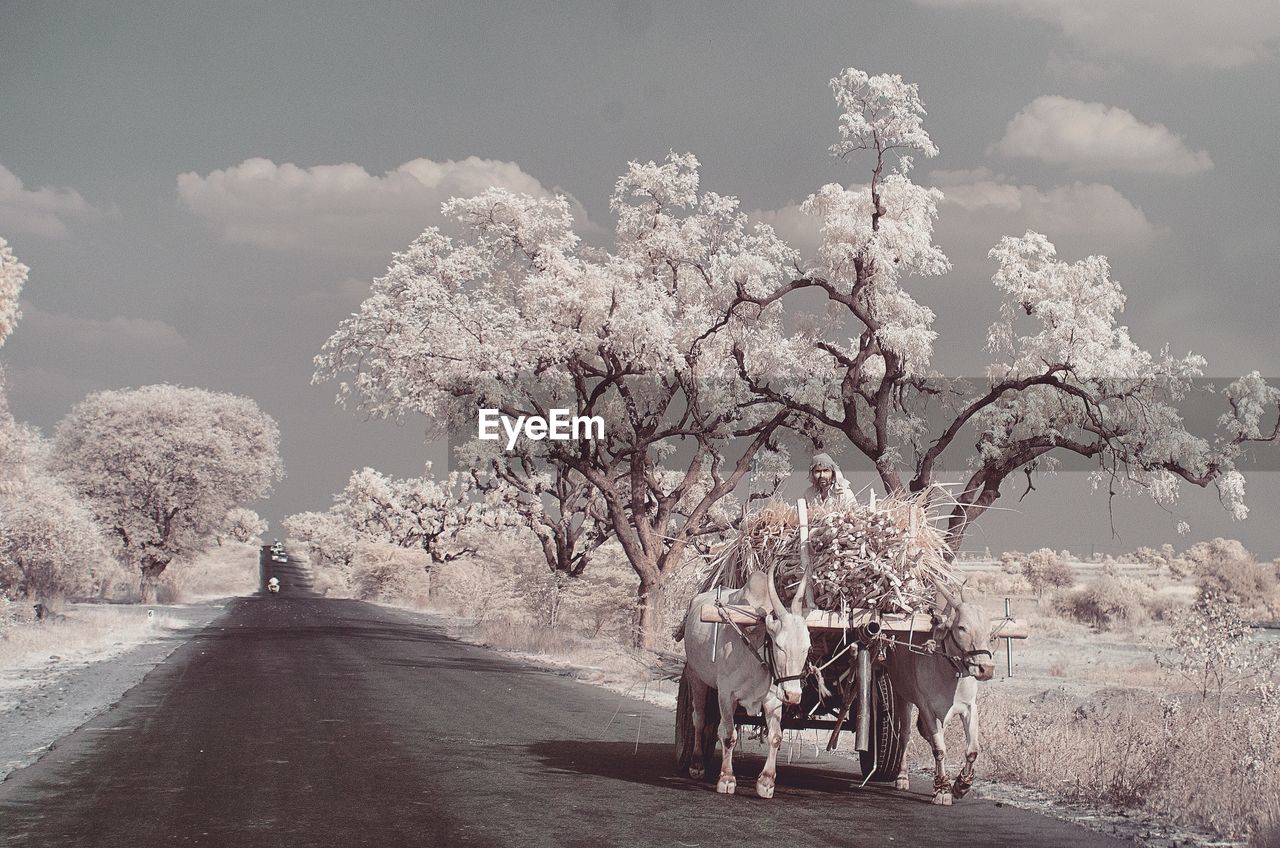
x: 301, y: 721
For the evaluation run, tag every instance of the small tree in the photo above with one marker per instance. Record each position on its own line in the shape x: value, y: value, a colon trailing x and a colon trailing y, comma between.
x: 415, y: 512
x: 564, y: 510
x: 52, y: 547
x: 1210, y: 647
x: 161, y: 467
x: 1045, y: 570
x: 244, y: 525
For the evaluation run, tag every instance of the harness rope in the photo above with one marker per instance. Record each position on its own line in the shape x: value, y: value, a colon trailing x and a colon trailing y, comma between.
x: 767, y: 660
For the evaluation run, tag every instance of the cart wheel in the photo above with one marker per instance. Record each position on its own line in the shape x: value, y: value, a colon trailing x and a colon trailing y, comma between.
x: 885, y: 759
x: 684, y: 729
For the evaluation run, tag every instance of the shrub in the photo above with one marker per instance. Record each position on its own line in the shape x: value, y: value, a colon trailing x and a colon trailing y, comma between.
x: 389, y: 573
x: 1106, y: 602
x: 1211, y: 648
x: 1166, y: 606
x: 998, y: 584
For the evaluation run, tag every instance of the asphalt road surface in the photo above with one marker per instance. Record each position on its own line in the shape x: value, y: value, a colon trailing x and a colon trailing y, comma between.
x: 300, y: 721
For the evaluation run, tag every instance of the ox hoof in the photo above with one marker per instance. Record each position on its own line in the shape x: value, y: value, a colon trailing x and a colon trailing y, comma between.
x: 727, y: 785
x: 697, y: 772
x: 765, y: 787
x: 942, y: 799
x: 902, y: 783
x: 959, y: 790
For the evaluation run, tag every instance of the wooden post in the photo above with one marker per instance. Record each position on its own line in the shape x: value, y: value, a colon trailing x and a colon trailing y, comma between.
x: 1008, y: 646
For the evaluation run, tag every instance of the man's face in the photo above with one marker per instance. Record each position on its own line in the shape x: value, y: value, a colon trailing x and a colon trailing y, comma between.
x: 822, y: 478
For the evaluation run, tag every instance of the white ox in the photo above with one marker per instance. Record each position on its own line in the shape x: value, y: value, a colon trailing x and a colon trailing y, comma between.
x: 760, y: 667
x: 943, y: 685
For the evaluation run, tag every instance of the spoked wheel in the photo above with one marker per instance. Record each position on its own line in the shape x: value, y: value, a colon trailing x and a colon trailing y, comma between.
x: 884, y: 760
x: 684, y: 728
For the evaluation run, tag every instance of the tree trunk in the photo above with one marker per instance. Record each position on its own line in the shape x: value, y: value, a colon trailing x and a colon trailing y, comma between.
x: 151, y: 572
x: 648, y: 607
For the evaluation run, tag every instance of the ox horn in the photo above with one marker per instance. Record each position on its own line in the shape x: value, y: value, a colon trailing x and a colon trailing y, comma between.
x: 951, y: 599
x: 778, y: 607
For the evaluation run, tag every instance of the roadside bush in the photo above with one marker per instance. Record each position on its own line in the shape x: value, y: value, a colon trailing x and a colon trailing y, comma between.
x: 997, y: 584
x: 1226, y: 567
x: 1106, y: 602
x: 389, y: 573
x: 1166, y: 606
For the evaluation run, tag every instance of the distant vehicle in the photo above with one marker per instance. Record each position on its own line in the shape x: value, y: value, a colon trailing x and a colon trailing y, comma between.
x: 279, y: 557
x: 273, y: 585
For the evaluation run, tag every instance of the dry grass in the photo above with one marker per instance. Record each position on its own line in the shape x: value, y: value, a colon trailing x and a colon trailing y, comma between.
x: 230, y: 569
x: 86, y: 633
x: 1188, y: 761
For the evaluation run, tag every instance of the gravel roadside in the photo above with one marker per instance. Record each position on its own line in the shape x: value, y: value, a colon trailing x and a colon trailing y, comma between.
x: 40, y: 705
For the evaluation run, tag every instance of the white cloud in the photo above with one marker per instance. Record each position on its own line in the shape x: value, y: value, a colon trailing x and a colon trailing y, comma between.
x: 42, y: 212
x: 1070, y: 67
x: 342, y: 208
x: 801, y: 231
x: 1093, y: 136
x: 119, y: 335
x: 979, y: 207
x: 1178, y: 33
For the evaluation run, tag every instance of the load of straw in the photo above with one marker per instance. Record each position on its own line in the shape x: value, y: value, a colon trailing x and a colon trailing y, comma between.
x: 890, y: 556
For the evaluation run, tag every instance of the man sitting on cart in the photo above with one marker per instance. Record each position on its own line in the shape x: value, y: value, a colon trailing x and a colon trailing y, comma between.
x: 827, y: 486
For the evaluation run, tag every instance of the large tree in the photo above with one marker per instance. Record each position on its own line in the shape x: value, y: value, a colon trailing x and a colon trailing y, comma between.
x: 1066, y: 379
x: 13, y: 274
x: 162, y: 465
x: 513, y: 315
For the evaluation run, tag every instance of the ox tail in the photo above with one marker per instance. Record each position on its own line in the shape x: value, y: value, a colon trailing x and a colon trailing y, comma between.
x: 678, y: 633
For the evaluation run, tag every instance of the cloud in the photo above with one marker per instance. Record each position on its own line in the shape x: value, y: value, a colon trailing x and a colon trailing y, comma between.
x: 42, y: 212
x: 979, y: 207
x: 801, y: 231
x: 342, y: 208
x: 1069, y: 67
x: 1093, y: 136
x: 1176, y: 33
x: 118, y: 335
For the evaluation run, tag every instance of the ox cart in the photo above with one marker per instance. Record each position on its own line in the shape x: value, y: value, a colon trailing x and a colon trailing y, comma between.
x: 846, y: 686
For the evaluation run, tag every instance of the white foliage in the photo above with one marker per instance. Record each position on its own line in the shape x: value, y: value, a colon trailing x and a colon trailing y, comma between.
x: 244, y: 525
x: 13, y: 274
x: 416, y: 512
x: 50, y: 544
x: 879, y: 113
x: 162, y: 465
x: 330, y: 541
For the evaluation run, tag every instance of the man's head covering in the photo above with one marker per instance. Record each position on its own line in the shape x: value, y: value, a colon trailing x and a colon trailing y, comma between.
x: 823, y: 460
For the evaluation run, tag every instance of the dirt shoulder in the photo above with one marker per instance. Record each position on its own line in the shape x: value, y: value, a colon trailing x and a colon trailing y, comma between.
x: 42, y: 702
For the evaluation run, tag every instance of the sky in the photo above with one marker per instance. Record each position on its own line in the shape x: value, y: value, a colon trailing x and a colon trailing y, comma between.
x: 203, y: 191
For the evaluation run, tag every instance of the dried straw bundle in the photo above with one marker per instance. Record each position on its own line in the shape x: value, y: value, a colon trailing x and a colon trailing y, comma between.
x: 889, y: 556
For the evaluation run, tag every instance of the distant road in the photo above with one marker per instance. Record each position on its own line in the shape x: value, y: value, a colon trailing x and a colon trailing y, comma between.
x: 300, y: 721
